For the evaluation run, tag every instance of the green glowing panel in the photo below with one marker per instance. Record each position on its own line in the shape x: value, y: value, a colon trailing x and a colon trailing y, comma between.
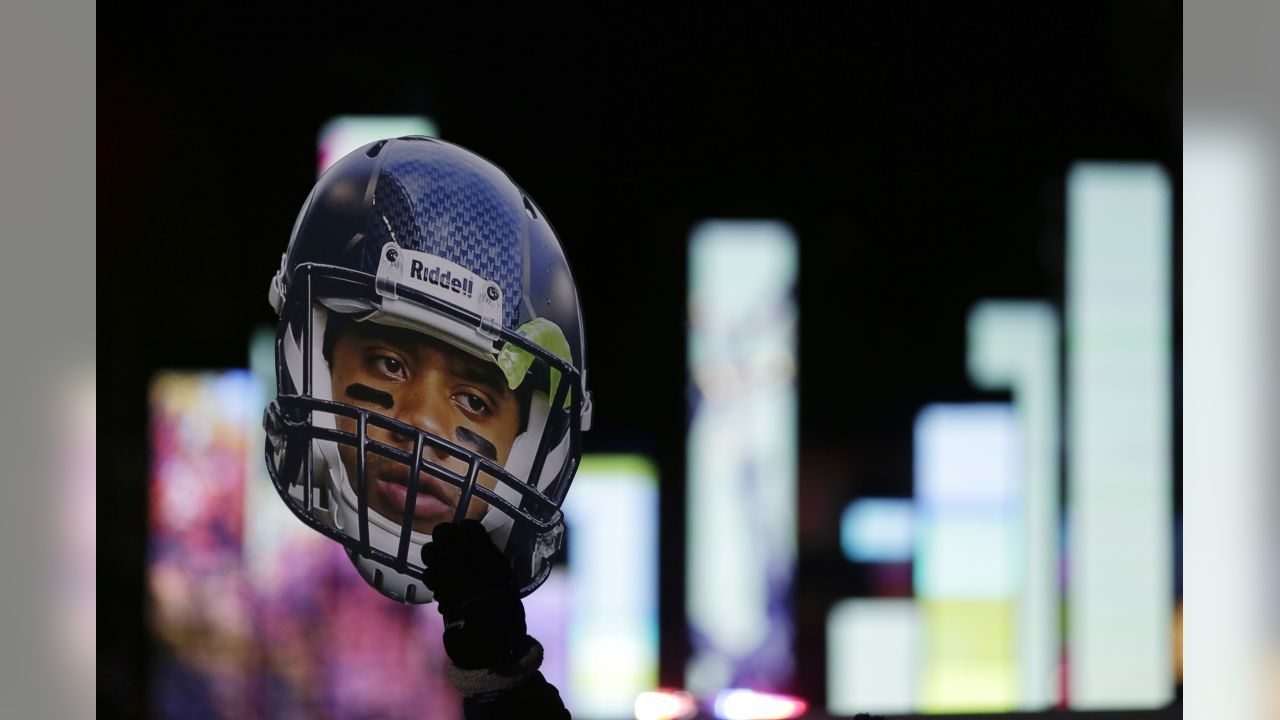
x: 612, y: 634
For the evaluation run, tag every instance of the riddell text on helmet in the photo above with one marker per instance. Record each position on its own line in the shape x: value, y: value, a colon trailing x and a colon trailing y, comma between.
x: 442, y: 279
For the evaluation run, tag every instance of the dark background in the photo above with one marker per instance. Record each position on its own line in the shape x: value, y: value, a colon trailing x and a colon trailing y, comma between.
x: 918, y: 151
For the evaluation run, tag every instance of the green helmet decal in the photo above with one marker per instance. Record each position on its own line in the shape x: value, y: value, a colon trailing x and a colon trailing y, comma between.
x: 515, y: 362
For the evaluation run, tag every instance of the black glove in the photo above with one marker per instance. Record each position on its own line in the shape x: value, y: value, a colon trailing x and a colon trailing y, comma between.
x: 476, y: 590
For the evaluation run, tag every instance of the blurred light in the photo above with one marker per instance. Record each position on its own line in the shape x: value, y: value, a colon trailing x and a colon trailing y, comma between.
x: 235, y: 624
x: 968, y: 456
x: 877, y: 530
x: 872, y: 656
x: 968, y: 478
x: 665, y: 705
x: 740, y: 704
x: 345, y: 133
x: 1119, y: 406
x: 198, y: 610
x: 1013, y: 345
x: 970, y: 666
x: 1230, y: 323
x: 612, y: 634
x: 967, y: 555
x: 742, y: 461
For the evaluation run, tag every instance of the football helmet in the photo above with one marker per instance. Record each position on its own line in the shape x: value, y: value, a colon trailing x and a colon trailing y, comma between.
x: 424, y: 236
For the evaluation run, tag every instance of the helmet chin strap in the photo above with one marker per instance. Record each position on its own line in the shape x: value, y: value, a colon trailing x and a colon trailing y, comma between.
x: 383, y: 534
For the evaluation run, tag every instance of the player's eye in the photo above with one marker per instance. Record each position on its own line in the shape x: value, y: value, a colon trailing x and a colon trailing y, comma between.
x: 472, y: 403
x: 389, y: 366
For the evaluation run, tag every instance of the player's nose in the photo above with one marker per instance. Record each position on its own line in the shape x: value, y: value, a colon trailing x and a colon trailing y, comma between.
x: 427, y: 411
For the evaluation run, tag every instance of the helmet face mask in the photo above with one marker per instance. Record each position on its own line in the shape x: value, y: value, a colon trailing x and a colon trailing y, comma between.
x: 462, y: 262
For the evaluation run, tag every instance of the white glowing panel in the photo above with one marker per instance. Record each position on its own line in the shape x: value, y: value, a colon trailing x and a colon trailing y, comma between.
x: 612, y: 634
x: 872, y: 656
x: 345, y: 133
x: 967, y: 455
x: 1230, y: 325
x: 741, y: 454
x: 1118, y: 304
x: 878, y: 530
x: 968, y: 555
x: 968, y: 568
x: 967, y: 492
x: 1013, y: 345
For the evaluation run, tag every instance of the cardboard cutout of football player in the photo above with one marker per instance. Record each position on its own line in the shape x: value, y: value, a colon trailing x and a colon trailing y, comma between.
x: 432, y: 396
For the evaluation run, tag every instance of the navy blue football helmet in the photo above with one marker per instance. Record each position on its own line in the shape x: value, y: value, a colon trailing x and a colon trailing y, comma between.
x: 415, y: 236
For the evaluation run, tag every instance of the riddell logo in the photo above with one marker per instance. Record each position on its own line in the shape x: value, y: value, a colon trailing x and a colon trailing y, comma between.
x: 444, y: 279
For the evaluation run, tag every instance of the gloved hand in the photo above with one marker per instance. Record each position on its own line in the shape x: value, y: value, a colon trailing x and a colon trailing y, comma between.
x: 476, y: 590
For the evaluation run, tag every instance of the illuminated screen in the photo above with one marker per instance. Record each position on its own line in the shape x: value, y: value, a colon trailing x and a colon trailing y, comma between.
x: 741, y: 455
x: 1013, y: 346
x: 1022, y: 602
x: 297, y: 632
x: 254, y: 614
x: 873, y: 648
x: 878, y: 530
x: 1119, y: 445
x: 968, y: 567
x: 612, y: 601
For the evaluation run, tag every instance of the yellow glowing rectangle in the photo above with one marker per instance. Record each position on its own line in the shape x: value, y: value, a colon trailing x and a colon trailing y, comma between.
x: 969, y: 657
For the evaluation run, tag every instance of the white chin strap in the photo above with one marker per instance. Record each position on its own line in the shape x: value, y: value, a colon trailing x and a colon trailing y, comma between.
x: 383, y: 535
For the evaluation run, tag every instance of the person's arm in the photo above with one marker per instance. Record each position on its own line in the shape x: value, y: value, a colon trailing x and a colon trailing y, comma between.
x: 493, y: 662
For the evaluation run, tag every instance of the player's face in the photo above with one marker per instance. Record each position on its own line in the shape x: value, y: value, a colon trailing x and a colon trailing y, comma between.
x: 434, y: 386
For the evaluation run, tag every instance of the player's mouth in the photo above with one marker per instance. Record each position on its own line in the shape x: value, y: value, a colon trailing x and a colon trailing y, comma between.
x: 434, y: 500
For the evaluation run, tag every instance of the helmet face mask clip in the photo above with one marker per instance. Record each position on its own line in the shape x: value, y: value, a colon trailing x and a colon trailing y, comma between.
x: 444, y: 254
